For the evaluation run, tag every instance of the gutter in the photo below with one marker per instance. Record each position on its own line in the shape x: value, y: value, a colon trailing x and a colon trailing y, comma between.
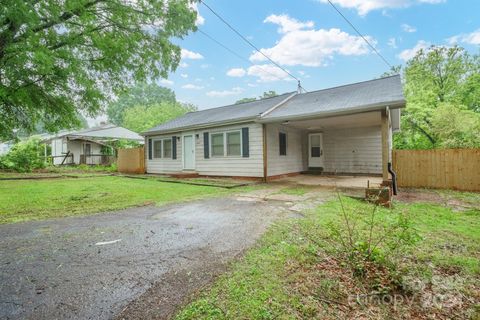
x: 367, y: 108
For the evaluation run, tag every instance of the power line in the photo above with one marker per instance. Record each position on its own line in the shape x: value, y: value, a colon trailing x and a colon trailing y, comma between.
x: 360, y: 34
x: 236, y: 54
x: 249, y: 42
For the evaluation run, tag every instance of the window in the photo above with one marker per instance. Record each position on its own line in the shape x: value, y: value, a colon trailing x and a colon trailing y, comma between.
x: 87, y: 149
x: 217, y: 145
x: 157, y: 149
x: 64, y: 145
x: 282, y: 140
x: 315, y: 151
x: 234, y: 147
x: 167, y: 148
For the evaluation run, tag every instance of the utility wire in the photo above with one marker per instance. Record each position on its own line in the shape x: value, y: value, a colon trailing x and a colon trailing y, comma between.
x: 250, y: 43
x: 360, y: 34
x: 236, y: 54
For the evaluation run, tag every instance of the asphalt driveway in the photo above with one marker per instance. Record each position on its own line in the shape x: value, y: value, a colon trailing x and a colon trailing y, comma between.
x: 136, y: 263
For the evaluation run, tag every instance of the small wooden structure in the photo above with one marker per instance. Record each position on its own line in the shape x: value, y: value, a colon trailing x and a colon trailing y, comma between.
x: 131, y: 160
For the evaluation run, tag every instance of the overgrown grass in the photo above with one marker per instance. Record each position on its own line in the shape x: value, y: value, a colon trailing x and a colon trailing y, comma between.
x: 293, y: 273
x: 23, y: 200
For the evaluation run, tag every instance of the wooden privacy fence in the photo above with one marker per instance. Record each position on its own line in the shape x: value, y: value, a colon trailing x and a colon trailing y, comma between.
x: 457, y: 169
x: 131, y: 160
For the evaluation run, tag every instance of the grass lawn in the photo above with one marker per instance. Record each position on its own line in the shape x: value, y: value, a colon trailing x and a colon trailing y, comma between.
x: 294, y: 272
x: 22, y: 200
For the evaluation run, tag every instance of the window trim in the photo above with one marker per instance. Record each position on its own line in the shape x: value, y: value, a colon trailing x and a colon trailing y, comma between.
x: 224, y: 133
x: 153, y: 148
x: 162, y: 143
x: 286, y: 144
x: 163, y: 149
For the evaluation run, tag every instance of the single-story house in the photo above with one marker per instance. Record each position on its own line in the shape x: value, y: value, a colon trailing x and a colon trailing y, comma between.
x: 341, y: 130
x: 85, y: 146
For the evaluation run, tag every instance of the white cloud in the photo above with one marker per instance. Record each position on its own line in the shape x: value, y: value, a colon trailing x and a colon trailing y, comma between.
x: 468, y: 38
x: 190, y: 86
x: 184, y: 75
x: 183, y: 64
x: 200, y: 20
x: 287, y: 24
x: 252, y: 85
x: 166, y: 82
x: 392, y: 42
x: 187, y: 54
x: 408, y: 54
x: 204, y: 66
x: 408, y: 28
x: 236, y: 72
x: 225, y: 93
x: 267, y: 73
x: 363, y: 7
x: 310, y: 47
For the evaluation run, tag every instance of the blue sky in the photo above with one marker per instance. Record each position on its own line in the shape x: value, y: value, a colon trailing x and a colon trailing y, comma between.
x: 312, y: 42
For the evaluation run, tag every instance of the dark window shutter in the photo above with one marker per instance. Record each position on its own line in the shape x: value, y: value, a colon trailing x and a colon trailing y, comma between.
x: 245, y: 143
x: 282, y: 139
x: 174, y: 147
x: 206, y: 146
x: 149, y: 149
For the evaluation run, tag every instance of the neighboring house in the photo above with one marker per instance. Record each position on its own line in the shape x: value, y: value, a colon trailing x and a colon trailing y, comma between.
x: 85, y: 146
x: 5, y: 147
x: 344, y: 130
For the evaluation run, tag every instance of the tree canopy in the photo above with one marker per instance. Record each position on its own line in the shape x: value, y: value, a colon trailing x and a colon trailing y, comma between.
x: 62, y: 58
x: 266, y: 94
x: 139, y: 95
x: 143, y: 117
x: 442, y: 90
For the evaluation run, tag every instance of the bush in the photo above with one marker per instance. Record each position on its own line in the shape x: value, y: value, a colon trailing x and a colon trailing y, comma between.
x: 371, y: 242
x: 24, y: 156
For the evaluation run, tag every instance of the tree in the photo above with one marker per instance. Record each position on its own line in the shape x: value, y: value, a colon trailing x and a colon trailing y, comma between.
x: 266, y: 94
x: 439, y: 80
x: 139, y: 95
x: 141, y: 118
x: 24, y: 156
x: 62, y: 58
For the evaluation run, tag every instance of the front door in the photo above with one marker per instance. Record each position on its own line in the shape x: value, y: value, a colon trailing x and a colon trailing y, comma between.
x: 315, y: 150
x: 188, y: 152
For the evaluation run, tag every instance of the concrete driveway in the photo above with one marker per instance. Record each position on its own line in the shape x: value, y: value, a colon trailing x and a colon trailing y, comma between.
x: 101, y: 266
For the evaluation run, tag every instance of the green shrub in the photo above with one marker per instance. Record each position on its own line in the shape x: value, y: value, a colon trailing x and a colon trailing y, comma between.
x: 24, y: 156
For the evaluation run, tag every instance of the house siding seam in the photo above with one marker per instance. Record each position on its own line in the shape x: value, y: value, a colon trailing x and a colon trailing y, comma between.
x: 356, y: 150
x: 293, y: 161
x: 251, y: 166
x: 164, y: 165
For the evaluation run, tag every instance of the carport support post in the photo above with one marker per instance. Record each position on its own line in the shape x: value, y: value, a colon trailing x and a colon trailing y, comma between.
x: 265, y: 169
x: 385, y: 145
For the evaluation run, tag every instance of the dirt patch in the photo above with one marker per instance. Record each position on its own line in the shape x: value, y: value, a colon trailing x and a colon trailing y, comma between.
x: 458, y: 201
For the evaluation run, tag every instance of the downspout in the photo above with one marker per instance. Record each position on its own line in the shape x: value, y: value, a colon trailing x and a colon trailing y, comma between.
x: 265, y: 168
x: 394, y: 178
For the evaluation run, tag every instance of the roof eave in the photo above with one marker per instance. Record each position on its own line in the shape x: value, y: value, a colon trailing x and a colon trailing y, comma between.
x: 373, y: 107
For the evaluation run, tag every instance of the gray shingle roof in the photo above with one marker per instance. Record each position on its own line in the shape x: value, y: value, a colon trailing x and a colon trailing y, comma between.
x: 248, y: 110
x: 351, y: 97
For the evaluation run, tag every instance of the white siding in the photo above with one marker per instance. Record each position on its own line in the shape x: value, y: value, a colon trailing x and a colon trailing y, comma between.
x: 251, y: 166
x: 164, y: 165
x: 232, y: 166
x: 354, y: 150
x: 293, y: 161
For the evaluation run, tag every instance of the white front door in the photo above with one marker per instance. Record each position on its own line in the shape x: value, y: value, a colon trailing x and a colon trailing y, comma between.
x: 315, y: 150
x: 188, y: 152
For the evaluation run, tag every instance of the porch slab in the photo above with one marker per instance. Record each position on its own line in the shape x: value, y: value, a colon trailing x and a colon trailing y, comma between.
x: 333, y: 181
